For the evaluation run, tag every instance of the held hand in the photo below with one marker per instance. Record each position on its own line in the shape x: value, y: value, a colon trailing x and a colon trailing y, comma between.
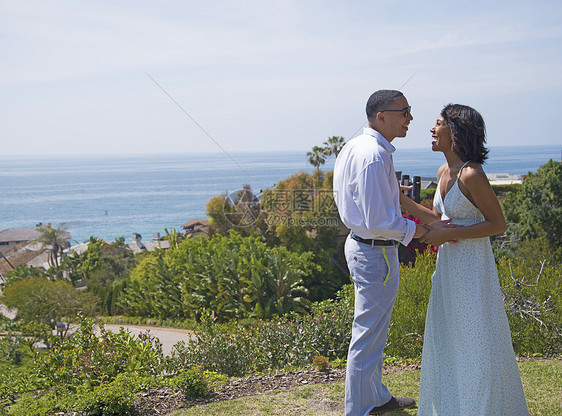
x: 443, y: 224
x: 439, y: 233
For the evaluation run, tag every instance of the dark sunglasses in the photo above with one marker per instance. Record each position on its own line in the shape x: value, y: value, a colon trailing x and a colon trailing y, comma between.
x: 406, y: 111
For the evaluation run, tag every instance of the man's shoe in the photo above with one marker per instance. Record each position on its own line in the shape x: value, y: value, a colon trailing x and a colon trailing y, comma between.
x: 393, y: 404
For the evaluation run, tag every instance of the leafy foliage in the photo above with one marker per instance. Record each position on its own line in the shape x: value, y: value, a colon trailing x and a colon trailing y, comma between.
x: 42, y: 300
x: 192, y: 383
x: 333, y: 145
x: 105, y: 267
x: 22, y: 272
x: 292, y: 340
x: 536, y: 206
x: 231, y: 277
x: 99, y: 373
x: 317, y: 156
x: 94, y: 359
x: 302, y: 216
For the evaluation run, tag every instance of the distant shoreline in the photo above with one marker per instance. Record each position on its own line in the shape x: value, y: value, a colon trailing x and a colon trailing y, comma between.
x: 46, y: 156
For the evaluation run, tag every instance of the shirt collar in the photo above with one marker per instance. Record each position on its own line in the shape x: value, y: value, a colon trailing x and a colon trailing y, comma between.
x: 380, y: 139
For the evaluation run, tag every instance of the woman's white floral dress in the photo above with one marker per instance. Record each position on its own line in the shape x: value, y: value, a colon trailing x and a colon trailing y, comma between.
x: 468, y: 364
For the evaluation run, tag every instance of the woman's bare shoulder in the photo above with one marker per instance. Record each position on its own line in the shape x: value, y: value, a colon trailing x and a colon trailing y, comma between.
x: 441, y: 170
x: 474, y: 178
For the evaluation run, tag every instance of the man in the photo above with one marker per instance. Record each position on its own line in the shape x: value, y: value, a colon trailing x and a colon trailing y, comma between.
x: 367, y: 196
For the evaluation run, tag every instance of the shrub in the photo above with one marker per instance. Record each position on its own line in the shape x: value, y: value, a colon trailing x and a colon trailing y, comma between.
x: 89, y: 358
x: 291, y: 340
x: 191, y: 382
x: 405, y: 336
x: 320, y: 363
x: 41, y: 403
x: 109, y: 399
x: 234, y: 277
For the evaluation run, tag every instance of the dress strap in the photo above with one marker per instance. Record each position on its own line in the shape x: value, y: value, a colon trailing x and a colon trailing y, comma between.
x: 462, y: 167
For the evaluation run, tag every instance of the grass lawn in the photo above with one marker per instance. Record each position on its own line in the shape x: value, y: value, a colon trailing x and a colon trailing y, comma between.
x: 542, y: 381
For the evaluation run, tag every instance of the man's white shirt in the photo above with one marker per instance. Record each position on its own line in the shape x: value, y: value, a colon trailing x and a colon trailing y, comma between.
x: 366, y: 190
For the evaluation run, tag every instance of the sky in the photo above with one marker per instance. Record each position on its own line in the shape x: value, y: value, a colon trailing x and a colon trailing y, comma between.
x: 109, y: 77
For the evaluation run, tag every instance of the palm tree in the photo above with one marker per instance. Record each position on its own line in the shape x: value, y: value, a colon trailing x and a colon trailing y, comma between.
x: 55, y: 240
x: 317, y: 157
x: 333, y: 145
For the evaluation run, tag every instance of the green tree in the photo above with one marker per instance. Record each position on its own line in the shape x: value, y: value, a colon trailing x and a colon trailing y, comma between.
x: 333, y: 145
x: 302, y: 216
x: 106, y: 267
x: 534, y: 210
x: 216, y: 209
x: 540, y: 200
x: 240, y: 211
x: 316, y: 157
x: 41, y: 300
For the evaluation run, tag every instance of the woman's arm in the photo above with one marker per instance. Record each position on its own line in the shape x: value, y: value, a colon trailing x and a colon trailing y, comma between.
x: 475, y: 186
x: 422, y: 213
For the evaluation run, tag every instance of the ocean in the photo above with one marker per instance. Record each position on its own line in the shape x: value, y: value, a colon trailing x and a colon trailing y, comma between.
x: 116, y: 196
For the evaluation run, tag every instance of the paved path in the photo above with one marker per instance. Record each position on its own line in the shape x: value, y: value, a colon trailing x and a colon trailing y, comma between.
x: 8, y: 313
x: 167, y: 336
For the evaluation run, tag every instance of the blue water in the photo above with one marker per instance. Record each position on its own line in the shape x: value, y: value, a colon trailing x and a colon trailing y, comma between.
x: 113, y: 196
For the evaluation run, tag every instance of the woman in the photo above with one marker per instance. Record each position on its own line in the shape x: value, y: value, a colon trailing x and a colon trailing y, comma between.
x: 468, y: 364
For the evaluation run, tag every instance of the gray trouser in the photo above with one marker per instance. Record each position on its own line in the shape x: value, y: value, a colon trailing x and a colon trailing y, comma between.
x: 374, y: 271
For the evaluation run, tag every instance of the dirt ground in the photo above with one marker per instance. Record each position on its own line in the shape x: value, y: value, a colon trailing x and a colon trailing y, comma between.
x: 165, y: 401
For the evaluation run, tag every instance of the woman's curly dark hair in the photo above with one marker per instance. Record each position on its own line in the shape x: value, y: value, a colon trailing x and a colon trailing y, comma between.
x: 468, y: 132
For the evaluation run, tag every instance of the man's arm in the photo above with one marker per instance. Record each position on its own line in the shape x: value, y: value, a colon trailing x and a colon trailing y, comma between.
x: 382, y: 216
x: 421, y: 230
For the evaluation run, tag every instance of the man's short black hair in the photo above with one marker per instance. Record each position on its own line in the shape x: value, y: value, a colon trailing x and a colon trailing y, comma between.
x: 379, y: 100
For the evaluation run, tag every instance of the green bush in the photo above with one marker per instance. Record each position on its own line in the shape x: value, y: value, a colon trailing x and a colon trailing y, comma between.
x: 191, y: 383
x: 264, y: 345
x: 42, y: 403
x: 91, y: 358
x: 109, y: 399
x: 405, y: 335
x: 43, y: 300
x: 427, y: 194
x: 536, y: 206
x: 235, y: 277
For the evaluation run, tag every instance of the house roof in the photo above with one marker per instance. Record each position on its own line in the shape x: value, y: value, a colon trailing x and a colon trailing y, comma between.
x: 137, y: 247
x: 196, y: 222
x: 19, y: 254
x: 430, y: 184
x: 5, y: 267
x: 14, y: 235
